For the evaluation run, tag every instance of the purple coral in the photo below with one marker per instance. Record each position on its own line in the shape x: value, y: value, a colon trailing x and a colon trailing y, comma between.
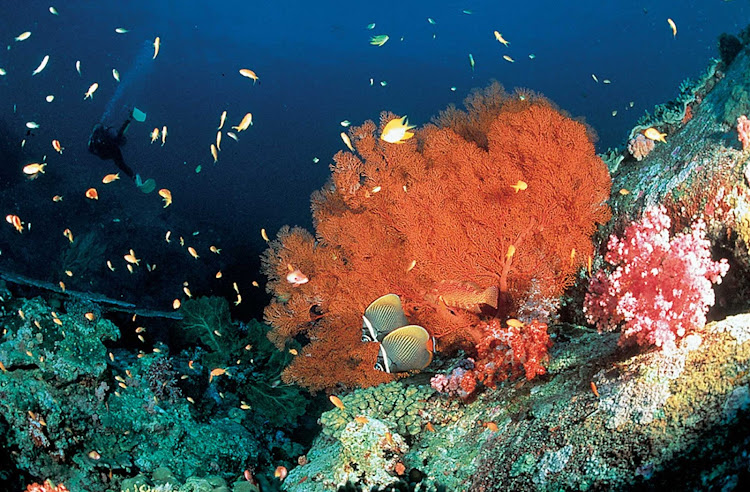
x: 660, y: 288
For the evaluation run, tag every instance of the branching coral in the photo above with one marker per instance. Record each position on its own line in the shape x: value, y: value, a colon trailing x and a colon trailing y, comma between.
x: 437, y: 212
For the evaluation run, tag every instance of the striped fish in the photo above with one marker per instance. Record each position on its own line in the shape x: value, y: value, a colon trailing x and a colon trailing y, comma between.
x: 406, y: 349
x: 384, y: 315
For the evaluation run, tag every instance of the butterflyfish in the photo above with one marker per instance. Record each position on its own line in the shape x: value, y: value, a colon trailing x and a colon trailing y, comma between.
x: 247, y: 120
x: 42, y: 65
x: 246, y: 72
x: 397, y: 131
x: 381, y: 317
x: 406, y: 349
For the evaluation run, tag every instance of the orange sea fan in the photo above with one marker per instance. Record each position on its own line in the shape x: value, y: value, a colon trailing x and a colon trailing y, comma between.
x: 439, y: 209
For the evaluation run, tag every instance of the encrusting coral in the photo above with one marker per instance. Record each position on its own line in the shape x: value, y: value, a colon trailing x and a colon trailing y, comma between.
x: 505, y: 195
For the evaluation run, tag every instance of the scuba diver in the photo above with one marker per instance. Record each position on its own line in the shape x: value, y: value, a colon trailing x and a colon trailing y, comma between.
x: 105, y: 143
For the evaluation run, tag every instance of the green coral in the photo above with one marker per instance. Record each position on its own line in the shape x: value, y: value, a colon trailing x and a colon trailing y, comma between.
x: 397, y: 405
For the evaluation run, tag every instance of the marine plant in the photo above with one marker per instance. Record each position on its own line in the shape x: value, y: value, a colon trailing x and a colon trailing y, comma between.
x: 660, y: 288
x: 504, y: 195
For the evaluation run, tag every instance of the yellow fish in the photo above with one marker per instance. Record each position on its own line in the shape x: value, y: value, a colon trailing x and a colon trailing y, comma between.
x: 500, y: 38
x: 406, y: 349
x: 653, y: 134
x: 23, y: 36
x: 379, y: 40
x: 397, y: 131
x: 673, y: 26
x: 216, y: 372
x: 247, y: 120
x: 520, y: 185
x: 155, y: 135
x: 110, y: 177
x: 33, y: 169
x: 157, y: 43
x: 384, y: 315
x: 214, y: 153
x: 218, y: 140
x: 347, y: 141
x: 163, y: 135
x: 223, y: 119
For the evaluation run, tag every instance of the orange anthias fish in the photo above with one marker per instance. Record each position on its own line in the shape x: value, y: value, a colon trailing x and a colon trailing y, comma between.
x: 15, y: 221
x: 92, y: 194
x: 110, y: 177
x: 56, y: 145
x: 247, y: 120
x: 464, y: 295
x: 216, y: 372
x: 167, y: 196
x: 336, y: 401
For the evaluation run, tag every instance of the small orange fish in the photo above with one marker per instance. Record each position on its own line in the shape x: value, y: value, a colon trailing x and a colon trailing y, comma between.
x: 293, y: 351
x: 520, y: 185
x: 411, y: 266
x: 154, y: 135
x: 219, y: 274
x: 594, y: 389
x: 94, y: 455
x: 514, y: 323
x: 157, y: 44
x: 246, y: 72
x: 361, y: 419
x: 572, y: 256
x: 2, y: 367
x: 167, y: 196
x: 214, y: 153
x: 264, y: 235
x: 68, y: 234
x: 110, y: 177
x: 130, y: 258
x: 176, y: 304
x: 57, y: 198
x: 336, y: 401
x: 511, y: 252
x: 193, y: 252
x: 109, y: 265
x: 624, y: 191
x: 246, y: 123
x: 500, y: 38
x: 255, y: 283
x: 15, y: 221
x: 32, y: 170
x: 90, y: 316
x: 215, y: 250
x: 347, y: 141
x: 429, y: 427
x: 92, y: 194
x: 216, y: 372
x: 56, y: 145
x: 491, y: 426
x: 280, y: 472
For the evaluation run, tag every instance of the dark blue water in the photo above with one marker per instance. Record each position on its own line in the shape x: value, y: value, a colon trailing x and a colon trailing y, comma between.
x: 315, y: 63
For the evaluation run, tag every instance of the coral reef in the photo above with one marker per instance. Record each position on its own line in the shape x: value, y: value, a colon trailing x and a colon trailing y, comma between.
x: 434, y: 215
x: 640, y: 146
x: 660, y: 287
x: 90, y: 416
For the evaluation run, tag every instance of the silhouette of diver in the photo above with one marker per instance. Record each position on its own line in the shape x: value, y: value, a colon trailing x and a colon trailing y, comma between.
x: 105, y: 143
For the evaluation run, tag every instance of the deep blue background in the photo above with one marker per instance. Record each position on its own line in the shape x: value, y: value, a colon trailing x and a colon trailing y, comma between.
x: 314, y: 61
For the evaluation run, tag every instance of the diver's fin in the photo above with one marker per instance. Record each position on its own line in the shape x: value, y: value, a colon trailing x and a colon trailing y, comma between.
x: 138, y: 115
x: 138, y: 181
x: 145, y: 186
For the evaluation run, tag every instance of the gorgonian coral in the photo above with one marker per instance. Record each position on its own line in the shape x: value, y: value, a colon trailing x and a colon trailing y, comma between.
x: 503, y: 196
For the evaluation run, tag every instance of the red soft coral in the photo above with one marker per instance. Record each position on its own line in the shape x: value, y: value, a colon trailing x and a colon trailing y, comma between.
x: 660, y: 288
x: 434, y: 217
x: 48, y: 486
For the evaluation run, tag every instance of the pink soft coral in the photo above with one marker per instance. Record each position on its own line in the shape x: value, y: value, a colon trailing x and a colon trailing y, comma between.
x: 660, y: 288
x: 743, y: 131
